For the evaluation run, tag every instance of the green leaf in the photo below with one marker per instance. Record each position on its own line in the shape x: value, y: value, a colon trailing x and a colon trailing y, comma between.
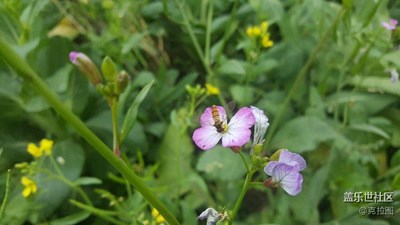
x: 303, y: 134
x: 242, y: 94
x: 372, y: 103
x: 131, y: 115
x: 133, y: 42
x: 54, y: 192
x: 221, y: 164
x: 87, y: 181
x: 377, y: 84
x: 395, y: 160
x: 59, y: 81
x: 9, y: 86
x: 371, y: 129
x: 169, y: 94
x: 232, y: 67
x: 71, y: 219
x: 396, y: 182
x: 390, y: 58
x: 396, y: 137
x: 272, y: 10
x: 174, y: 154
x: 36, y: 104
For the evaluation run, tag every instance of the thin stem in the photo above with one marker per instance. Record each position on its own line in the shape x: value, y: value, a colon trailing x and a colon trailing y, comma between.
x: 241, y: 197
x: 55, y: 165
x: 244, y: 162
x: 72, y: 185
x: 10, y: 57
x: 193, y: 38
x: 106, y: 215
x: 207, y: 56
x: 226, y: 35
x: 3, y: 205
x: 116, y: 133
x: 300, y: 77
x: 68, y: 182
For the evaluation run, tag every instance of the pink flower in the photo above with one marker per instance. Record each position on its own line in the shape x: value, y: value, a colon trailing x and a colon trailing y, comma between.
x: 286, y: 172
x: 214, y: 127
x: 391, y: 25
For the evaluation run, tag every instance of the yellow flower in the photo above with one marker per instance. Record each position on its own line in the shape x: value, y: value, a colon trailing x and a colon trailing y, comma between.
x: 249, y: 32
x: 264, y: 27
x: 157, y: 216
x: 266, y: 42
x: 256, y: 31
x: 253, y: 31
x: 34, y: 150
x: 211, y: 89
x: 45, y: 147
x: 30, y: 186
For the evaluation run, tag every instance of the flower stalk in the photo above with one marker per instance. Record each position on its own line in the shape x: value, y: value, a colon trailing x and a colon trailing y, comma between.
x: 239, y: 201
x: 22, y: 68
x: 116, y: 133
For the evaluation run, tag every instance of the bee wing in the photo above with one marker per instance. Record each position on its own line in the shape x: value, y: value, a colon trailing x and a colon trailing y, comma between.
x: 231, y: 106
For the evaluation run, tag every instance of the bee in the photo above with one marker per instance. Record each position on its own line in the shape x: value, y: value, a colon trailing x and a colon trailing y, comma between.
x: 218, y: 123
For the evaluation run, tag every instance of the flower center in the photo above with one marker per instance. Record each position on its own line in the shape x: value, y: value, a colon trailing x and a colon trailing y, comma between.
x: 221, y: 127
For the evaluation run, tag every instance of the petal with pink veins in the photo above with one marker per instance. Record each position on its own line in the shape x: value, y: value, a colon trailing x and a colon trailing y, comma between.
x: 242, y: 120
x: 206, y: 137
x: 292, y: 159
x: 288, y: 178
x: 236, y: 137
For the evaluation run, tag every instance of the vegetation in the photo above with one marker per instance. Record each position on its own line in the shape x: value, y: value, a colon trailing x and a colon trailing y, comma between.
x: 100, y: 101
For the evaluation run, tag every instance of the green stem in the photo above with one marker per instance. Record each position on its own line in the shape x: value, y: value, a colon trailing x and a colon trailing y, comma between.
x: 10, y: 57
x: 116, y: 133
x: 3, y: 205
x: 241, y: 197
x: 55, y: 165
x: 72, y: 185
x: 106, y: 215
x: 244, y: 162
x: 62, y: 178
x: 193, y: 38
x: 207, y: 56
x: 300, y: 77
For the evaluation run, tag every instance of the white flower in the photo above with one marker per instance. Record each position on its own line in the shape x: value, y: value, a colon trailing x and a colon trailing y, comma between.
x: 394, y: 75
x: 260, y: 126
x: 211, y: 215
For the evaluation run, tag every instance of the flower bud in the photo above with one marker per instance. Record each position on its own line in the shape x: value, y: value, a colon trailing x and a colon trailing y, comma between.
x: 269, y: 183
x: 86, y: 66
x: 257, y: 149
x: 122, y: 82
x: 21, y: 165
x: 104, y: 90
x: 236, y: 149
x: 109, y: 69
x: 275, y: 156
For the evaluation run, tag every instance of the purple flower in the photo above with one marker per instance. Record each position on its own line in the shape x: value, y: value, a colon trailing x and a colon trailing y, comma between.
x: 286, y: 172
x: 391, y: 25
x: 214, y: 127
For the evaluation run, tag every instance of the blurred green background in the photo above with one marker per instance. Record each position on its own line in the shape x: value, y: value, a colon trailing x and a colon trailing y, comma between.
x: 325, y: 85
